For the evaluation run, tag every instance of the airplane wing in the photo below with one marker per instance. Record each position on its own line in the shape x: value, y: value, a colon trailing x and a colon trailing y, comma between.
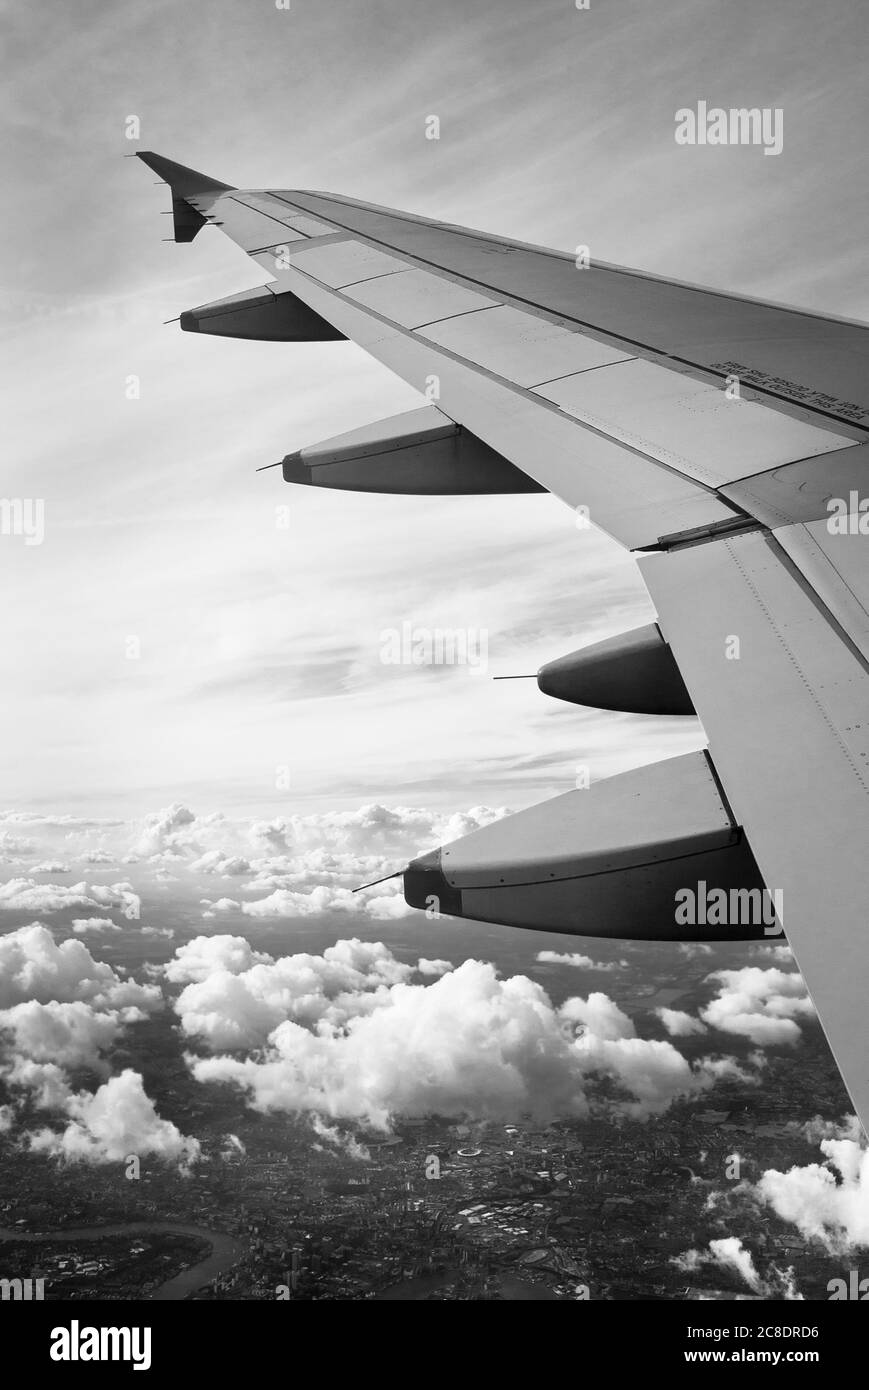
x: 726, y: 442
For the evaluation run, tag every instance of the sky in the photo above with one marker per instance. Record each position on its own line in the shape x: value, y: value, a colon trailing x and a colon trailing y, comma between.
x: 258, y: 687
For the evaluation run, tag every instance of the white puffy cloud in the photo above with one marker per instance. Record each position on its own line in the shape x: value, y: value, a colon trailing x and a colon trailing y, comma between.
x: 730, y: 1254
x: 386, y: 906
x: 46, y: 1081
x: 206, y: 955
x: 215, y: 861
x: 346, y: 1143
x: 848, y: 1128
x: 433, y: 967
x: 69, y: 1034
x: 283, y: 902
x: 270, y: 835
x: 26, y: 895
x: 239, y: 1008
x: 95, y: 924
x: 296, y: 866
x: 600, y: 1016
x: 211, y: 909
x: 759, y: 1004
x: 347, y: 1035
x: 167, y: 832
x: 783, y: 955
x: 118, y: 1120
x: 34, y: 966
x: 331, y: 897
x: 371, y: 833
x: 384, y: 830
x: 829, y: 1201
x: 11, y: 846
x: 679, y: 1024
x: 654, y: 1072
x: 579, y: 961
x: 60, y: 1009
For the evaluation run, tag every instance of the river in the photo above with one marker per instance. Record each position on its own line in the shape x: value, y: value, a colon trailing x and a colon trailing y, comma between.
x: 225, y: 1250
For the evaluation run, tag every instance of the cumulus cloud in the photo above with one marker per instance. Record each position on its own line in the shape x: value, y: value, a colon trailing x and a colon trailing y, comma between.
x: 211, y: 909
x: 730, y: 1254
x: 215, y: 861
x: 818, y: 1128
x: 433, y: 967
x: 323, y: 898
x: 46, y: 1081
x: 231, y: 1007
x: 270, y: 835
x: 26, y: 895
x: 579, y: 961
x: 11, y: 846
x: 380, y: 829
x: 296, y: 866
x: 386, y: 905
x: 96, y: 924
x: 61, y: 1010
x: 349, y: 1036
x: 783, y: 955
x: 34, y: 966
x: 167, y: 832
x: 829, y: 1201
x: 679, y: 1024
x: 69, y: 1034
x: 762, y: 1005
x: 600, y: 1016
x: 206, y: 955
x: 302, y: 866
x: 347, y: 1143
x: 118, y: 1120
x: 210, y: 844
x: 284, y: 902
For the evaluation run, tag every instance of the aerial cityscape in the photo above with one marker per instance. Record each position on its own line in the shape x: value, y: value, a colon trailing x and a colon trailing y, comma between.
x: 667, y: 1166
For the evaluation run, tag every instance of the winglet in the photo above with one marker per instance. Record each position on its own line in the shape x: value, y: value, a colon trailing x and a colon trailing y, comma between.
x: 186, y: 185
x: 184, y: 182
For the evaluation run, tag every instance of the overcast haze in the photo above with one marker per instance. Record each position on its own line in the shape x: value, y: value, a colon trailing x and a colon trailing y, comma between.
x: 260, y: 647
